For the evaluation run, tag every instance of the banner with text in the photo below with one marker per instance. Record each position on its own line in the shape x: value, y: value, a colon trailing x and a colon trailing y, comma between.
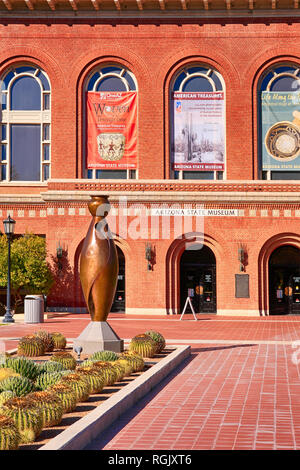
x: 199, y: 131
x: 280, y: 131
x: 111, y: 130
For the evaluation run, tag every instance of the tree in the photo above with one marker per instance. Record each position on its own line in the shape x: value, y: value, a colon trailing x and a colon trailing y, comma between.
x: 30, y: 271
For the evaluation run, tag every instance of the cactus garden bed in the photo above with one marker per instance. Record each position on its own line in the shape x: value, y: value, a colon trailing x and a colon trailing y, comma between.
x: 46, y: 383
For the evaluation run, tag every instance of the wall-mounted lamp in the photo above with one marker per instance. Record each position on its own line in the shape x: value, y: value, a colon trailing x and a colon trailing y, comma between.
x: 59, y: 254
x: 150, y: 256
x: 242, y: 257
x: 59, y: 250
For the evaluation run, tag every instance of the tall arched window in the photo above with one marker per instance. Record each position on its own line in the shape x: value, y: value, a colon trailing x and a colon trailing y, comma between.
x: 197, y: 131
x: 25, y: 124
x: 117, y: 83
x: 279, y: 123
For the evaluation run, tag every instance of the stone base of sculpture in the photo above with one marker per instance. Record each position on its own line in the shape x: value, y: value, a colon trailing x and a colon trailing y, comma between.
x: 98, y: 336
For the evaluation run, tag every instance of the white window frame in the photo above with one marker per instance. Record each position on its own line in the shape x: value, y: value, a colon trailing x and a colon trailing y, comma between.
x: 41, y: 117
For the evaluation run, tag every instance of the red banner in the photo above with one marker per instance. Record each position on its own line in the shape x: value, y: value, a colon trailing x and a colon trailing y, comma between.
x: 111, y: 130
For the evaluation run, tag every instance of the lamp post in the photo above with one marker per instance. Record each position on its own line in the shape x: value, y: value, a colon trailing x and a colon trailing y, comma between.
x: 9, y: 228
x: 148, y: 255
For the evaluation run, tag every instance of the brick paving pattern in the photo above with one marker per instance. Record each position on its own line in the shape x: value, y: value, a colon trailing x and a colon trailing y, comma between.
x: 242, y: 393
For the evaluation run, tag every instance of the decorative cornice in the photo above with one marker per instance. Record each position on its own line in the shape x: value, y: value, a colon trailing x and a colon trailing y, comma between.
x: 176, y: 186
x: 177, y: 197
x: 146, y: 8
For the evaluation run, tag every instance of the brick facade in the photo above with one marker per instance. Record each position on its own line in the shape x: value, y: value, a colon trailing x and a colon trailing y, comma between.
x: 241, y: 49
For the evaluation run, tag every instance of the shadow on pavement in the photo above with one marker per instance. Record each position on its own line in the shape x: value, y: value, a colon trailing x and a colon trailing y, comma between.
x: 108, y: 434
x: 216, y: 348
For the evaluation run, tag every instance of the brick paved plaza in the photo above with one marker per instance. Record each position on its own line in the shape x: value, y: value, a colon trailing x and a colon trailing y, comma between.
x: 238, y: 390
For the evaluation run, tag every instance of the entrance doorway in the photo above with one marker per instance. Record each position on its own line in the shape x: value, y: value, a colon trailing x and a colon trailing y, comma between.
x: 198, y: 280
x: 119, y: 300
x: 284, y: 281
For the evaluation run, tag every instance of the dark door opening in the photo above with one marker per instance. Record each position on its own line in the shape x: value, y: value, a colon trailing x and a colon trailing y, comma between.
x: 284, y: 281
x: 119, y: 300
x: 198, y: 280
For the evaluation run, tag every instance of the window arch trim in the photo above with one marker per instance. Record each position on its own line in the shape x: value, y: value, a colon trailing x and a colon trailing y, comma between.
x: 197, y: 74
x: 27, y: 118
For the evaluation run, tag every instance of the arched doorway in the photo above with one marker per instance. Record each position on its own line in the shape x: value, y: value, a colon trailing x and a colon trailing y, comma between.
x: 198, y: 279
x: 119, y: 301
x: 284, y: 281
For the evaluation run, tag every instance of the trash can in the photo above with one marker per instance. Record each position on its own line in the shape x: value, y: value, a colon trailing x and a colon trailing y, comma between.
x: 34, y: 309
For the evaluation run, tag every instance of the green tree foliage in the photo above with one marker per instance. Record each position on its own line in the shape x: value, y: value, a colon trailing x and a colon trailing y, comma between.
x: 30, y: 271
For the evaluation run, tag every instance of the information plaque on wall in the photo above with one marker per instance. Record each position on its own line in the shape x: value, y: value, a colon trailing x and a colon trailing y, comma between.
x: 242, y: 286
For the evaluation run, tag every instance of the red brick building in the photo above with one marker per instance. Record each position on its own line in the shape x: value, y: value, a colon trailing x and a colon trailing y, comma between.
x: 247, y: 196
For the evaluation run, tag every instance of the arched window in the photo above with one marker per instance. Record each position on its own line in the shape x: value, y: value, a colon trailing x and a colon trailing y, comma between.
x: 279, y: 123
x: 197, y: 110
x: 25, y: 124
x: 109, y: 79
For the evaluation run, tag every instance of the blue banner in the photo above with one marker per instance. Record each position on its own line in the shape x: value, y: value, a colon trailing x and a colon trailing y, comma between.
x: 280, y: 131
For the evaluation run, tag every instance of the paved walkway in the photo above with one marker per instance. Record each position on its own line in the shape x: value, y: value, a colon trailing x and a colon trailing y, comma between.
x: 240, y: 388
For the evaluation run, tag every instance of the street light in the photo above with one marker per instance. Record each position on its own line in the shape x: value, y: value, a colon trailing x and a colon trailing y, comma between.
x: 9, y: 228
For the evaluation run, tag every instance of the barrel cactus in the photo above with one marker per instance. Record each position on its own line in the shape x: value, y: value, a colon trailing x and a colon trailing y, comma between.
x: 108, y: 372
x: 51, y: 406
x: 31, y: 346
x: 79, y: 384
x: 26, y: 416
x: 9, y: 435
x: 65, y: 359
x: 23, y: 366
x: 158, y: 338
x: 46, y: 338
x: 93, y: 376
x: 19, y: 385
x: 7, y: 372
x: 143, y: 345
x: 6, y: 395
x: 128, y: 367
x: 120, y: 370
x: 87, y: 363
x: 135, y: 360
x: 59, y: 340
x: 47, y: 379
x: 104, y: 356
x: 66, y: 394
x: 66, y: 372
x: 51, y: 366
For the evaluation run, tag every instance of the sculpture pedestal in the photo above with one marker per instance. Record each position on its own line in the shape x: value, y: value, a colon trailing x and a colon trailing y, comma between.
x: 98, y: 336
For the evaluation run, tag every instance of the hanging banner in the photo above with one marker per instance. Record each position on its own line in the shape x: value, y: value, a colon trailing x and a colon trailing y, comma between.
x: 280, y: 131
x: 199, y: 131
x: 111, y: 130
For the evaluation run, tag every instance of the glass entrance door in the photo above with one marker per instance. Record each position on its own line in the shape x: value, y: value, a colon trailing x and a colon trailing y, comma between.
x: 198, y: 279
x: 294, y: 294
x: 207, y: 301
x: 284, y: 281
x: 119, y: 300
x: 199, y: 283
